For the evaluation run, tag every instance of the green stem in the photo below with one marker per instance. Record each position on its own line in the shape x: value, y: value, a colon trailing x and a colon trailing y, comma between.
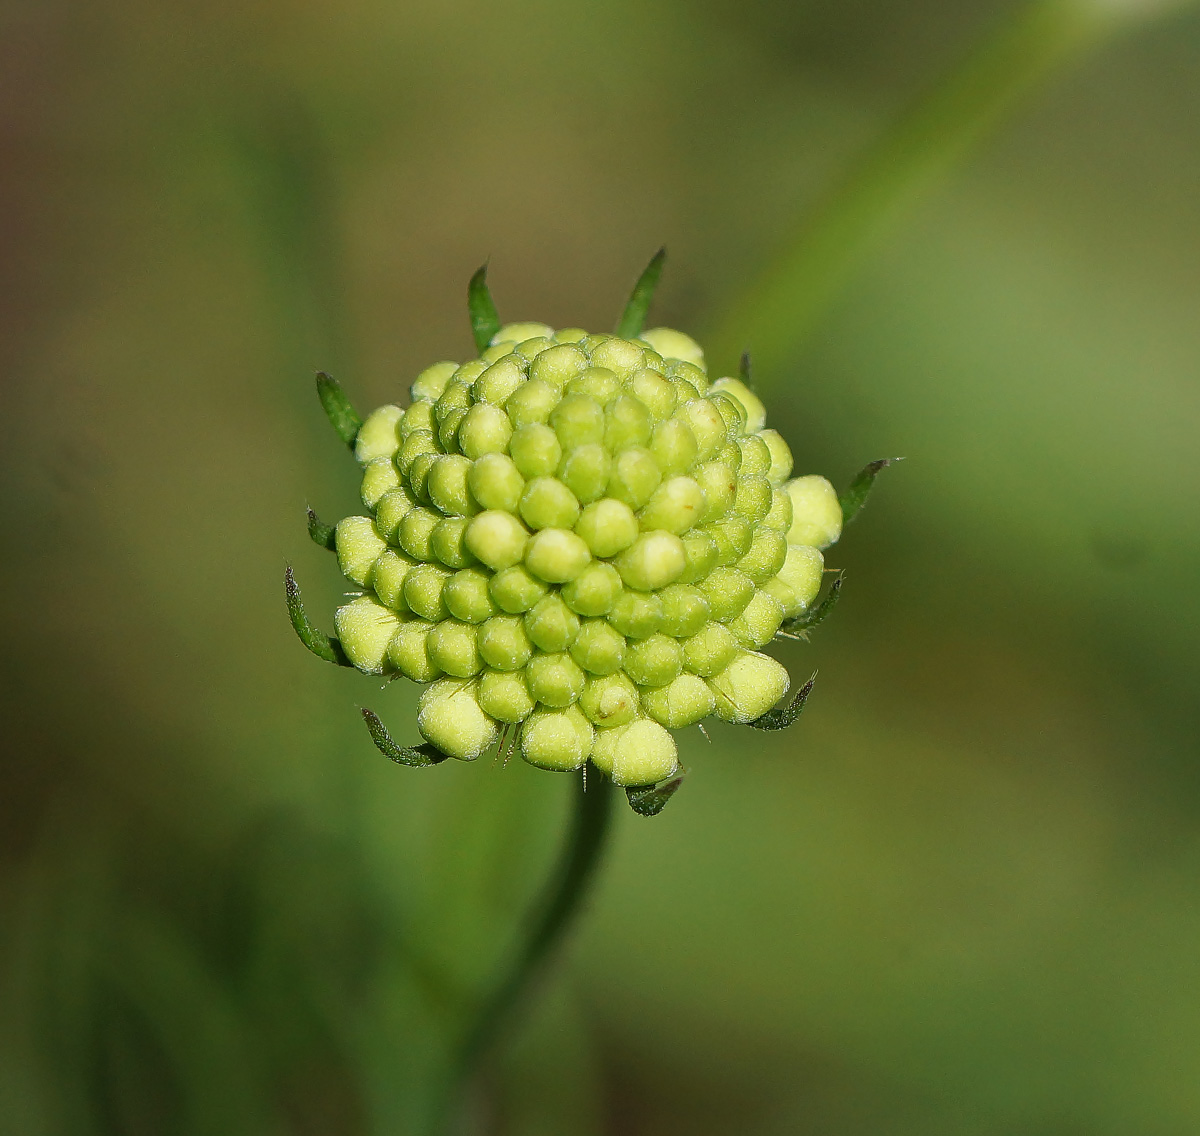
x: 564, y: 893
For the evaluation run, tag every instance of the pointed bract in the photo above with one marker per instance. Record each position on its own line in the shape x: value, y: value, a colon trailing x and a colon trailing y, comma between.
x: 744, y: 369
x: 633, y: 318
x: 652, y: 800
x: 317, y: 642
x: 417, y: 757
x: 808, y: 620
x: 855, y: 496
x: 783, y: 717
x: 342, y: 416
x: 320, y: 532
x: 485, y: 321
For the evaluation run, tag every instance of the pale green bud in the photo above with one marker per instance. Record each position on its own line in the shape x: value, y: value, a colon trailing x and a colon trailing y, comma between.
x: 554, y: 680
x: 452, y: 647
x: 816, y: 514
x: 596, y: 382
x: 378, y: 436
x: 577, y: 421
x: 766, y: 555
x: 653, y: 561
x: 551, y: 625
x: 415, y: 532
x: 392, y: 508
x: 706, y: 424
x: 780, y: 516
x: 753, y: 500
x: 418, y: 474
x: 756, y: 457
x: 621, y: 356
x: 685, y: 610
x: 430, y: 383
x: 448, y: 430
x: 671, y: 344
x: 611, y: 700
x: 636, y: 614
x: 556, y: 555
x: 641, y: 753
x: 387, y: 578
x: 586, y: 470
x: 419, y: 416
x: 535, y: 450
x: 802, y: 571
x: 500, y: 380
x: 417, y: 443
x: 423, y: 591
x: 700, y: 555
x: 448, y: 715
x: 408, y: 652
x: 530, y: 349
x: 504, y: 696
x: 653, y: 661
x: 759, y: 621
x: 607, y: 526
x: 469, y: 371
x: 781, y: 457
x: 719, y: 483
x: 485, y: 430
x: 496, y: 483
x: 446, y: 485
x: 594, y: 590
x: 515, y: 590
x: 731, y: 454
x: 635, y: 477
x: 691, y: 379
x: 674, y: 446
x: 627, y: 423
x: 748, y: 687
x: 448, y: 543
x: 652, y: 361
x: 677, y: 505
x: 557, y: 366
x: 496, y: 539
x: 728, y: 591
x: 364, y: 629
x: 531, y: 402
x: 569, y: 335
x: 730, y: 410
x: 548, y: 504
x: 358, y: 545
x: 519, y: 332
x: 787, y: 598
x: 503, y: 644
x: 753, y: 411
x: 653, y: 391
x: 456, y: 396
x: 466, y: 595
x: 558, y: 740
x: 710, y: 650
x: 732, y: 536
x: 684, y: 701
x: 598, y: 649
x: 497, y: 351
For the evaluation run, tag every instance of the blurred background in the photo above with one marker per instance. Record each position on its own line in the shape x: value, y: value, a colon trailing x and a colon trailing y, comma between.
x: 960, y: 896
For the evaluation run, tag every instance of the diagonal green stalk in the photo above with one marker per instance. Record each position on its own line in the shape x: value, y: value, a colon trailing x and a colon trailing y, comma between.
x: 910, y: 160
x: 590, y: 822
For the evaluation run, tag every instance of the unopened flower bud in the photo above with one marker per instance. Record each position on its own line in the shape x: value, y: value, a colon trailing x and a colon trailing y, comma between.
x: 611, y: 700
x: 503, y: 643
x: 585, y: 470
x: 450, y: 717
x: 653, y: 661
x: 636, y: 614
x: 515, y: 590
x: 641, y: 753
x: 554, y: 680
x: 358, y: 545
x: 496, y: 539
x: 446, y: 485
x: 500, y: 380
x: 728, y: 591
x: 430, y: 383
x: 466, y: 595
x: 816, y: 513
x: 635, y: 476
x: 677, y: 505
x: 452, y: 646
x: 504, y: 696
x: 408, y: 651
x: 596, y: 382
x: 535, y: 450
x: 423, y: 587
x: 671, y: 344
x: 753, y: 411
x: 802, y: 572
x: 598, y: 648
x: 557, y: 366
x: 415, y: 532
x: 758, y: 622
x: 684, y: 701
x: 485, y: 430
x: 556, y: 555
x: 558, y: 740
x: 607, y: 527
x: 551, y: 625
x: 594, y: 590
x: 379, y: 477
x: 378, y: 436
x: 548, y: 504
x: 495, y: 483
x: 364, y: 629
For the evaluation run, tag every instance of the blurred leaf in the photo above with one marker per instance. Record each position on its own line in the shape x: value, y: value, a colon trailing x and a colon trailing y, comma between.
x: 323, y: 646
x: 633, y: 318
x: 485, y: 320
x: 859, y: 489
x: 744, y: 368
x: 342, y: 416
x: 783, y: 717
x: 320, y: 532
x: 417, y: 757
x: 652, y: 800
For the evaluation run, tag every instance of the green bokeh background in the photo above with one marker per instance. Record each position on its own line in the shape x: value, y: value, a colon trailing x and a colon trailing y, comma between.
x: 960, y: 896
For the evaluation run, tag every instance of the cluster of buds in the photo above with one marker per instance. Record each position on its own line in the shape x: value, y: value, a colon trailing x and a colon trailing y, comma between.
x: 579, y: 542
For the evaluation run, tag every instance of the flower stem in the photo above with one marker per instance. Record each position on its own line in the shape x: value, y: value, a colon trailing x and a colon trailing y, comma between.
x: 561, y: 900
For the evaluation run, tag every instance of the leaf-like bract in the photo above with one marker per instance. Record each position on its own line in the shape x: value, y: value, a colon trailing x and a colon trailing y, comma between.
x: 316, y: 641
x: 342, y: 416
x: 633, y: 318
x: 417, y: 757
x: 320, y: 532
x: 784, y: 716
x: 651, y: 800
x: 485, y: 321
x: 856, y: 494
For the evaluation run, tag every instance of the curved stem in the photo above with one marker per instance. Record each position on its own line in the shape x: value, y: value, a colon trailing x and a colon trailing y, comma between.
x: 564, y: 892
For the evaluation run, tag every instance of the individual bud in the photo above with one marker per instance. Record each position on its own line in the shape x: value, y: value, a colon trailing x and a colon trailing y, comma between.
x: 764, y: 558
x: 787, y: 598
x: 419, y: 416
x: 423, y: 591
x: 753, y: 500
x: 700, y: 555
x: 730, y: 410
x: 418, y: 474
x: 635, y: 476
x: 684, y: 701
x: 577, y: 421
x: 378, y: 437
x: 728, y: 591
x: 485, y: 430
x: 449, y: 716
x: 710, y: 650
x: 594, y: 590
x: 609, y: 701
x: 446, y: 485
x: 651, y: 361
x: 496, y: 483
x: 816, y: 513
x: 416, y: 531
x: 457, y: 395
x: 653, y: 561
x: 500, y: 380
x: 358, y: 546
x: 466, y: 596
x: 780, y: 516
x: 748, y: 687
x: 569, y: 335
x: 653, y: 391
x: 379, y: 477
x: 530, y: 349
x: 691, y: 380
x: 387, y: 578
x: 548, y: 504
x: 417, y: 443
x: 391, y: 509
x: 531, y: 403
x: 653, y: 661
x: 448, y: 431
x: 781, y: 457
x: 557, y: 366
x: 759, y: 621
x: 519, y: 332
x: 408, y: 651
x: 551, y: 625
x: 554, y: 680
x: 430, y: 383
x: 598, y: 649
x: 756, y: 457
x: 535, y: 450
x: 671, y: 344
x: 706, y: 424
x: 585, y: 470
x: 753, y: 411
x: 730, y: 453
x: 452, y: 647
x: 676, y: 505
x: 607, y: 526
x: 503, y: 644
x: 596, y: 382
x: 504, y: 696
x: 496, y: 539
x: 674, y: 446
x: 802, y: 571
x: 556, y: 555
x: 685, y: 610
x: 515, y: 590
x: 619, y: 355
x: 558, y: 740
x: 636, y: 614
x: 641, y: 753
x: 627, y: 423
x: 497, y: 351
x: 732, y: 536
x: 719, y: 483
x: 364, y: 629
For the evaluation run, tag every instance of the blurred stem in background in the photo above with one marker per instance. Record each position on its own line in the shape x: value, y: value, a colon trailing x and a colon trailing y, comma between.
x: 912, y: 157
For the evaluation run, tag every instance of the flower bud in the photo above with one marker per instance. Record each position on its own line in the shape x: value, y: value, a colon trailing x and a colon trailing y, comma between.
x: 449, y: 716
x: 556, y: 555
x: 530, y: 404
x: 387, y: 578
x: 419, y: 416
x: 377, y: 436
x: 607, y: 527
x: 765, y: 556
x: 446, y: 485
x: 548, y: 504
x: 611, y: 700
x: 594, y: 590
x: 653, y: 561
x: 415, y: 532
x: 685, y: 610
x: 551, y: 625
x: 700, y: 556
x: 748, y: 687
x: 519, y: 332
x: 585, y: 470
x: 676, y: 505
x: 635, y: 476
x: 535, y: 450
x: 653, y: 391
x: 758, y: 622
x: 732, y: 536
x: 393, y: 507
x: 684, y: 701
x: 358, y: 547
x: 504, y: 696
x: 557, y: 366
x: 673, y: 446
x: 559, y: 740
x: 485, y: 430
x: 554, y: 680
x: 641, y: 753
x: 598, y: 648
x: 753, y: 499
x: 627, y: 423
x: 706, y: 424
x: 653, y: 661
x: 753, y: 411
x: 496, y: 483
x: 408, y: 651
x: 816, y: 514
x: 452, y: 646
x: 781, y: 457
x: 500, y: 380
x: 756, y: 456
x: 710, y: 650
x: 779, y: 517
x: 802, y: 571
x: 417, y: 443
x: 423, y: 587
x: 596, y: 382
x: 466, y: 596
x: 503, y: 643
x: 379, y: 477
x: 515, y: 590
x: 447, y: 543
x: 430, y: 383
x: 496, y: 539
x: 364, y: 629
x: 577, y: 421
x: 671, y: 344
x: 636, y: 614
